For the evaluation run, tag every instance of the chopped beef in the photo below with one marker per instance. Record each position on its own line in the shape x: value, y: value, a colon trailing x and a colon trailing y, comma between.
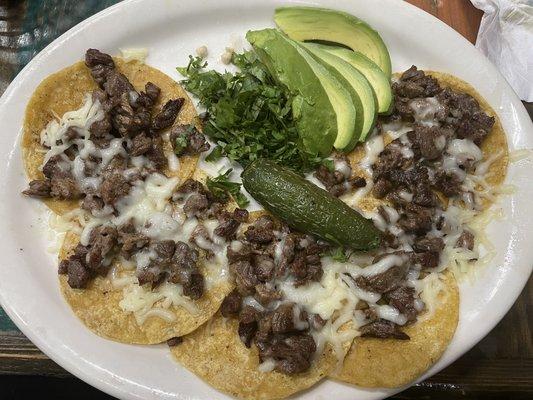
x: 140, y: 145
x: 465, y: 240
x: 128, y: 121
x: 151, y: 274
x: 164, y: 249
x: 383, y: 329
x: 316, y: 321
x: 305, y: 272
x: 385, y: 281
x: 429, y: 244
x: 92, y: 203
x: 148, y: 98
x: 100, y: 64
x: 427, y: 142
x: 293, y: 354
x: 264, y: 267
x: 152, y: 91
x: 423, y: 195
x: 416, y: 219
x: 117, y: 86
x: 266, y: 294
x: 288, y: 250
x: 475, y: 127
x: 248, y: 324
x: 415, y: 83
x: 227, y: 229
x: 131, y: 243
x: 427, y: 259
x: 184, y: 270
x: 39, y: 188
x: 101, y: 128
x: 106, y: 103
x: 466, y: 115
x: 196, y: 205
x: 338, y: 182
x: 64, y: 187
x: 283, y: 318
x: 381, y: 188
x: 78, y: 276
x: 261, y: 231
x: 238, y: 251
x: 156, y: 154
x: 448, y: 183
x: 187, y: 140
x: 245, y: 276
x: 241, y: 215
x: 101, y: 241
x: 391, y: 158
x: 166, y: 117
x: 113, y: 188
x: 231, y: 305
x: 191, y: 186
x: 53, y: 167
x: 117, y: 164
x: 175, y: 341
x: 403, y: 298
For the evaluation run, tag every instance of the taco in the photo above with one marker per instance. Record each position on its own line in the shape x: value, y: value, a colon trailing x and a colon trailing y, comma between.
x: 376, y: 362
x: 68, y: 90
x: 116, y: 171
x: 425, y: 178
x: 214, y: 353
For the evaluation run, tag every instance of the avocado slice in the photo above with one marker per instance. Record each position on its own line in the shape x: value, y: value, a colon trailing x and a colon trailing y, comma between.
x: 311, y: 23
x: 323, y: 108
x: 375, y: 76
x: 362, y: 94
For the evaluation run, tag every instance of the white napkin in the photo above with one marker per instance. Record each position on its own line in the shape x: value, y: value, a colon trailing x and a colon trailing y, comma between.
x: 506, y: 38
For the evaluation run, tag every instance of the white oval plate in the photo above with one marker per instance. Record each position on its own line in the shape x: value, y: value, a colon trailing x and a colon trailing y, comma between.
x: 172, y: 30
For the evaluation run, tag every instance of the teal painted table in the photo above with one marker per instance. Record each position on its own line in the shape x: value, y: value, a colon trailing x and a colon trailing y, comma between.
x: 500, y: 366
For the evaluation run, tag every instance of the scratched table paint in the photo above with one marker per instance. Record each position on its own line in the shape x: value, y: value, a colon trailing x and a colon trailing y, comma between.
x: 500, y: 366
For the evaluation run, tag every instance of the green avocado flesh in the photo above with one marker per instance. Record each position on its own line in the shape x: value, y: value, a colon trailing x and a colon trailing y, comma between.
x: 362, y: 94
x: 312, y: 107
x: 377, y: 79
x: 308, y: 208
x: 309, y: 23
x: 345, y: 102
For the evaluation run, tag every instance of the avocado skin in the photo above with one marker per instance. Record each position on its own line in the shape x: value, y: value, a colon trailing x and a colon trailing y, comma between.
x: 314, y: 23
x: 311, y: 108
x: 308, y: 208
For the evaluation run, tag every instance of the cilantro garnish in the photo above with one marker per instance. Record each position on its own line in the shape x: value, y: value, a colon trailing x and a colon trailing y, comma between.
x: 221, y: 188
x: 249, y: 113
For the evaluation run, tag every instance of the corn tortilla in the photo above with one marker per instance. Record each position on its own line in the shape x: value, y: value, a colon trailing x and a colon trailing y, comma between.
x: 65, y: 91
x: 215, y: 353
x: 389, y: 363
x: 98, y: 308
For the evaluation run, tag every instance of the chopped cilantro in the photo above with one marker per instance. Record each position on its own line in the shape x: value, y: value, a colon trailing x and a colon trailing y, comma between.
x: 249, y: 113
x: 338, y: 254
x: 222, y: 189
x: 181, y: 143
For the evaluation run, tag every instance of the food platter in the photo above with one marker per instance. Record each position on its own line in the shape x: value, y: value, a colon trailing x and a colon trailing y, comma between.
x: 29, y: 290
